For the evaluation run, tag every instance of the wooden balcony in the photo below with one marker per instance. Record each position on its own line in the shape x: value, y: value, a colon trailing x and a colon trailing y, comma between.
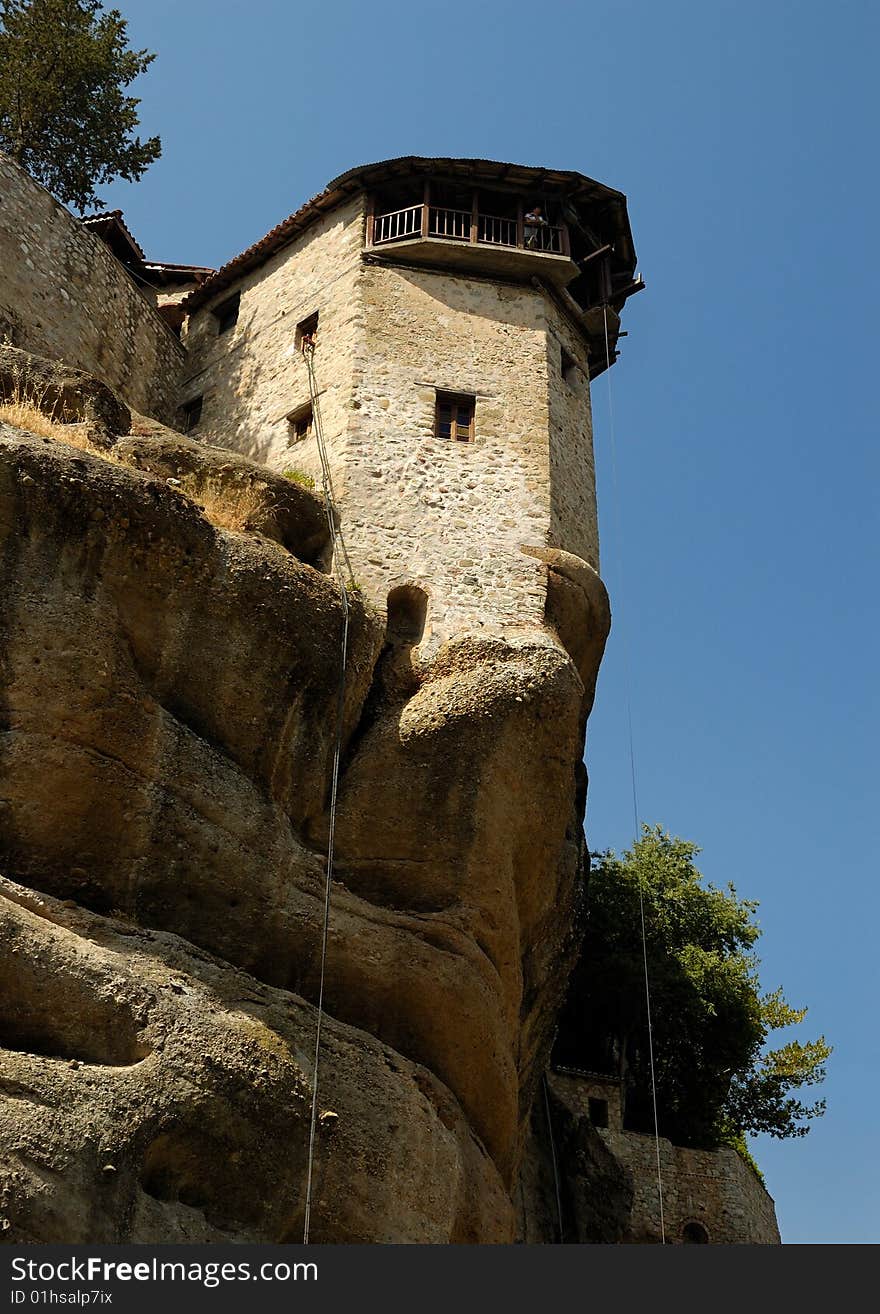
x: 473, y: 240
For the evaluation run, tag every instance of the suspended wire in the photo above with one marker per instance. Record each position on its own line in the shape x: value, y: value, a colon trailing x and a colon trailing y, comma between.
x: 555, y: 1164
x: 341, y: 564
x: 632, y: 769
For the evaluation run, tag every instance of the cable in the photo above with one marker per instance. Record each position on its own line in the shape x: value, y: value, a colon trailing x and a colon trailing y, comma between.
x: 555, y: 1165
x: 340, y: 557
x: 632, y: 771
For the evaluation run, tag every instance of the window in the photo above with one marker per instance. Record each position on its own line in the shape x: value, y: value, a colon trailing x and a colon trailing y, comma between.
x: 407, y: 612
x: 598, y: 1112
x: 191, y: 413
x: 568, y: 367
x: 306, y: 328
x: 300, y: 423
x: 226, y: 314
x: 694, y: 1234
x: 454, y: 417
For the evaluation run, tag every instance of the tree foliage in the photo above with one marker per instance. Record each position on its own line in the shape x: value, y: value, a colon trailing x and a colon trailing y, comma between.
x: 64, y: 114
x: 716, y: 1078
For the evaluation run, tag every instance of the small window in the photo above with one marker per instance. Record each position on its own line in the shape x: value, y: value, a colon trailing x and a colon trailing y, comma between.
x: 226, y: 314
x: 694, y: 1234
x: 407, y: 612
x: 454, y: 417
x: 300, y: 423
x: 191, y: 413
x: 306, y: 331
x: 598, y: 1112
x: 568, y: 367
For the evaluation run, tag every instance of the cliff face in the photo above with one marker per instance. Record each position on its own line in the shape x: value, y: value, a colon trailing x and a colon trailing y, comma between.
x: 169, y: 648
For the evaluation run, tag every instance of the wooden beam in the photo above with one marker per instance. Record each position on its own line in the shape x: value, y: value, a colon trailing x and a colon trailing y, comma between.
x: 371, y: 218
x: 426, y: 203
x: 594, y: 255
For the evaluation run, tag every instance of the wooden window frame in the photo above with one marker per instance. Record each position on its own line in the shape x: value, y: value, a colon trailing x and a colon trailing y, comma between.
x: 309, y: 326
x: 191, y: 413
x: 458, y: 402
x: 303, y: 415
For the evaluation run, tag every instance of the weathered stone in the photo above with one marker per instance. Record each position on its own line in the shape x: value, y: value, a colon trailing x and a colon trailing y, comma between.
x: 65, y: 295
x: 166, y: 734
x: 235, y: 492
x: 65, y: 394
x: 159, y: 1095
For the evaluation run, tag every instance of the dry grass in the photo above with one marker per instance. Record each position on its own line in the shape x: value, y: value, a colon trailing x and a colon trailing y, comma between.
x: 26, y: 414
x: 26, y: 409
x: 241, y: 509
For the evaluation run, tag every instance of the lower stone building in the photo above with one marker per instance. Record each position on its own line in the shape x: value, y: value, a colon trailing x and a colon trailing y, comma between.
x: 588, y: 1179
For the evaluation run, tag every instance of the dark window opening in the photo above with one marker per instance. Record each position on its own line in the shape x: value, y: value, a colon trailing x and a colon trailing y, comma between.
x: 454, y: 417
x: 173, y: 315
x: 598, y: 1112
x: 226, y: 314
x: 300, y: 423
x: 568, y: 367
x: 407, y: 612
x: 306, y: 331
x: 191, y: 413
x: 694, y: 1234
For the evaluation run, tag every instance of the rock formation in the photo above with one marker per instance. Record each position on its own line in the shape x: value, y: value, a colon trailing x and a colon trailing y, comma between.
x: 169, y: 648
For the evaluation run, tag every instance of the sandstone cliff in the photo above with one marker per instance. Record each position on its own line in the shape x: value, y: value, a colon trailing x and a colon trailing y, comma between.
x: 169, y: 648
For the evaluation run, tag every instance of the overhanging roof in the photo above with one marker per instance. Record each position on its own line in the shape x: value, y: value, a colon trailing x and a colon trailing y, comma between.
x: 111, y: 227
x: 603, y: 206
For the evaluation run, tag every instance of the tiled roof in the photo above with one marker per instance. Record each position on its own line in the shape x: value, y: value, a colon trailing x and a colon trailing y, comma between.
x: 109, y: 224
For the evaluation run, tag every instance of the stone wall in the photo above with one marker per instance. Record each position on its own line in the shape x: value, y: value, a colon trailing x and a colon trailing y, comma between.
x: 63, y: 294
x: 574, y: 516
x: 714, y: 1189
x: 252, y: 377
x: 450, y: 518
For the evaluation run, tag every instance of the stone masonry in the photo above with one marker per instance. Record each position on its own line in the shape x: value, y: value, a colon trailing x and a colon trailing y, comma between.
x: 710, y: 1195
x: 252, y: 377
x: 463, y: 522
x: 64, y: 295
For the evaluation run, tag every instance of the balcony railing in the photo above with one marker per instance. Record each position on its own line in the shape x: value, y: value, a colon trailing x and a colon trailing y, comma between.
x: 449, y: 223
x: 397, y: 225
x: 467, y: 226
x: 495, y: 231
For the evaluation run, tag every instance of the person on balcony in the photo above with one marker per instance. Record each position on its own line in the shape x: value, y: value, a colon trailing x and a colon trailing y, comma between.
x: 533, y: 223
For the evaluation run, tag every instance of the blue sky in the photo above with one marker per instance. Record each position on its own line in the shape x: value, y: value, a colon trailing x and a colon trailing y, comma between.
x: 744, y: 574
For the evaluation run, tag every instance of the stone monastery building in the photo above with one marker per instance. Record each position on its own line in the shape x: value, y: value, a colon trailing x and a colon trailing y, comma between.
x: 455, y: 344
x: 459, y: 309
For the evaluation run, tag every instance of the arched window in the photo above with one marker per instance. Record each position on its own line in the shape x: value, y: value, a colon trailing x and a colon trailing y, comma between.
x: 407, y: 612
x: 694, y: 1234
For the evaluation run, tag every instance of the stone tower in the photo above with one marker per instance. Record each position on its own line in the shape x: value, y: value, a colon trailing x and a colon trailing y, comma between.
x: 460, y: 310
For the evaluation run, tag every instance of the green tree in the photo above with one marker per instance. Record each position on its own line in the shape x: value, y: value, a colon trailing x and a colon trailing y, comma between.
x: 716, y: 1077
x: 64, y: 115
